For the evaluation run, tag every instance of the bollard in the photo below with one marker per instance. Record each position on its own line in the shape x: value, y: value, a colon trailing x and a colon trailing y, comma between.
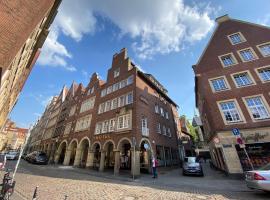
x: 66, y: 196
x: 35, y: 195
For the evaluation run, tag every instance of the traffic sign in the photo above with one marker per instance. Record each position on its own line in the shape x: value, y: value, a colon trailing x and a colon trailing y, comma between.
x: 239, y: 141
x: 236, y: 131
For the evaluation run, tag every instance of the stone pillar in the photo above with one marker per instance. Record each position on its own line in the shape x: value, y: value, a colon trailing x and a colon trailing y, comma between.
x: 51, y: 159
x: 67, y: 157
x: 164, y: 156
x: 78, y: 156
x: 102, y: 161
x: 56, y: 157
x: 116, y: 162
x: 90, y: 159
x: 135, y: 167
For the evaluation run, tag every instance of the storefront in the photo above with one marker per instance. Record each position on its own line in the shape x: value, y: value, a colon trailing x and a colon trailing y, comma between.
x: 228, y: 156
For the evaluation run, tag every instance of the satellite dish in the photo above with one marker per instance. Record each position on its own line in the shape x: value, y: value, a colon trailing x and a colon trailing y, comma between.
x: 146, y: 146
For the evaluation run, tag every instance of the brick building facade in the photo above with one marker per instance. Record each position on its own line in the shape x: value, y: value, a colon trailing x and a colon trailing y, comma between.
x: 23, y: 30
x: 116, y: 124
x: 232, y: 85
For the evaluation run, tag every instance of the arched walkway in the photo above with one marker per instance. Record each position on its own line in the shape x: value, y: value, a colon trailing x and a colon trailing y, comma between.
x: 109, y: 154
x: 71, y: 152
x: 124, y: 146
x: 82, y: 152
x: 97, y: 155
x: 145, y: 156
x: 60, y: 153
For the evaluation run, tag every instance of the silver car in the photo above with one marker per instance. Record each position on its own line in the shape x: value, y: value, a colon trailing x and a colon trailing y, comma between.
x: 259, y: 179
x: 12, y: 155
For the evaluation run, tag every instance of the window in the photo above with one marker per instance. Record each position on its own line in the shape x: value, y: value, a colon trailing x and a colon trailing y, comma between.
x: 129, y: 98
x: 265, y: 49
x: 101, y: 108
x: 112, y: 124
x: 115, y: 86
x: 158, y: 128
x: 105, y: 126
x: 219, y: 84
x: 228, y: 60
x: 236, y: 38
x: 247, y: 55
x: 242, y: 79
x: 107, y: 106
x: 67, y: 128
x: 145, y: 130
x: 167, y: 115
x: 87, y: 104
x: 123, y: 121
x: 114, y: 104
x: 83, y: 123
x: 164, y: 130
x: 156, y: 109
x: 257, y: 108
x: 98, y: 128
x: 103, y: 92
x: 144, y: 122
x: 121, y: 101
x: 161, y: 112
x: 109, y: 90
x: 123, y: 84
x: 72, y: 110
x: 130, y: 80
x: 264, y: 74
x: 169, y: 132
x: 116, y: 73
x: 92, y: 90
x: 230, y: 111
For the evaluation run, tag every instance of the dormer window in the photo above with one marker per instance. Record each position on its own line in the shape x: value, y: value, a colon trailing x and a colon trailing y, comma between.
x: 116, y: 73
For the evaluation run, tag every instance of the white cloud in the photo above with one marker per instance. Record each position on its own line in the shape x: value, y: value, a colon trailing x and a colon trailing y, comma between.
x: 265, y: 20
x: 156, y: 26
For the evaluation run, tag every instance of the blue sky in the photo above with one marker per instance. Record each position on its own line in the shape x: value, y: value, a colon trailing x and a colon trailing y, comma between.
x: 165, y: 38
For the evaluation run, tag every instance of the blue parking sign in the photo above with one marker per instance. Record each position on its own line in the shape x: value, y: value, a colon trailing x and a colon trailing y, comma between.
x: 236, y: 131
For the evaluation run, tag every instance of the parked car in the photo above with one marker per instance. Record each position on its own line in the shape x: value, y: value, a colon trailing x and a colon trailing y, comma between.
x: 192, y: 166
x: 12, y: 155
x: 259, y: 179
x: 3, y: 161
x: 37, y: 157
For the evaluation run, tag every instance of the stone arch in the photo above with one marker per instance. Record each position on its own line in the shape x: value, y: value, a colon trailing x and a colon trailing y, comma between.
x: 61, y: 152
x: 107, y: 142
x: 108, y: 150
x: 82, y: 152
x: 96, y: 148
x: 94, y: 144
x: 145, y: 155
x: 123, y: 139
x: 72, y: 141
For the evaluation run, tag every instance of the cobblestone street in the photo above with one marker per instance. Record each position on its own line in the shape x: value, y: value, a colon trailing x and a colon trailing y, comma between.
x: 57, y: 181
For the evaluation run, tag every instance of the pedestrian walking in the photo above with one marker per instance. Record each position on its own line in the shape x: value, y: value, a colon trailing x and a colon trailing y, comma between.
x: 154, y: 167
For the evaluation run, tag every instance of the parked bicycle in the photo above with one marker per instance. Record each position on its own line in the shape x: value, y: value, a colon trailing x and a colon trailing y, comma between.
x: 7, y: 186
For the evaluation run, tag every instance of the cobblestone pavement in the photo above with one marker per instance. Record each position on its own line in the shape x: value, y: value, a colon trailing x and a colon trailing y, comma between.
x: 56, y: 181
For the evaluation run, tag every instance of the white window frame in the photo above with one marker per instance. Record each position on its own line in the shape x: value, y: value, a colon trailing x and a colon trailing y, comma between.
x: 164, y: 131
x: 116, y: 72
x: 243, y: 72
x: 103, y: 92
x: 156, y: 109
x: 98, y: 128
x: 259, y: 48
x: 121, y: 101
x: 243, y: 39
x: 107, y: 106
x: 130, y: 80
x: 235, y: 62
x: 105, y: 126
x: 109, y: 90
x: 259, y: 74
x: 239, y: 112
x: 159, y: 128
x: 126, y: 121
x: 112, y: 125
x: 264, y: 104
x: 114, y: 104
x: 167, y: 115
x: 253, y: 52
x: 216, y: 78
x: 129, y: 101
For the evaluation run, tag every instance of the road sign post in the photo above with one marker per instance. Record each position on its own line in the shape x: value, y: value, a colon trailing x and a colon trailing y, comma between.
x: 240, y: 142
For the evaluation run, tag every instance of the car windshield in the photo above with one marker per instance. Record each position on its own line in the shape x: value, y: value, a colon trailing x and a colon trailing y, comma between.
x: 190, y: 159
x: 12, y: 152
x: 265, y: 167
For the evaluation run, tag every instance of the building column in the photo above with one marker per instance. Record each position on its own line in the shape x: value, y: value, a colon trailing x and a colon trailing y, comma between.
x: 102, y: 161
x: 77, y: 160
x: 116, y: 162
x: 90, y: 159
x: 135, y: 167
x: 56, y: 157
x: 67, y: 157
x: 52, y: 153
x: 164, y: 157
